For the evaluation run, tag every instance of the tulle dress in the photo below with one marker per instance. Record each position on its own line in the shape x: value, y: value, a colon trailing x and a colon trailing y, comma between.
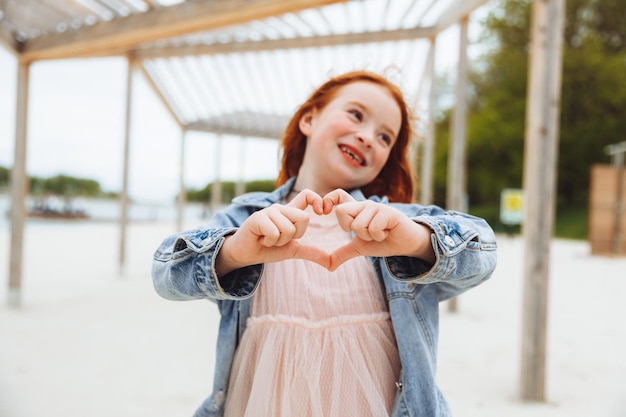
x: 316, y: 343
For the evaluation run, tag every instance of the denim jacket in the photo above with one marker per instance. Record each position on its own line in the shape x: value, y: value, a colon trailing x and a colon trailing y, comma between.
x: 465, y: 248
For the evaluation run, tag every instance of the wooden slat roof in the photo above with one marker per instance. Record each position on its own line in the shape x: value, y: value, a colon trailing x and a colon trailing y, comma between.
x: 214, y: 61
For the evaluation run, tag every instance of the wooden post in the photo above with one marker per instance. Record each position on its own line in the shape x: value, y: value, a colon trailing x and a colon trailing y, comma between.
x: 617, y: 152
x: 455, y: 199
x: 428, y: 149
x: 541, y: 144
x: 240, y: 188
x: 619, y: 203
x: 19, y: 187
x: 216, y: 189
x: 124, y: 194
x: 456, y: 188
x: 182, y: 193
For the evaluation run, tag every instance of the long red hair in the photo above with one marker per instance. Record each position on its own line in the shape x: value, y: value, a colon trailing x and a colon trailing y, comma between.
x: 395, y: 180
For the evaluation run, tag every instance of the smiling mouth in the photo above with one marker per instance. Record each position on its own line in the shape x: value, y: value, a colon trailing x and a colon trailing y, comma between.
x: 352, y: 155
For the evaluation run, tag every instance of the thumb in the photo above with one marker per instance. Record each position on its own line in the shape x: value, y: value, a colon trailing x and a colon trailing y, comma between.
x: 342, y: 254
x: 312, y: 253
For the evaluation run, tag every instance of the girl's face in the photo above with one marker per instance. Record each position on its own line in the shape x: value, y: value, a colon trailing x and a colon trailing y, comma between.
x: 349, y: 140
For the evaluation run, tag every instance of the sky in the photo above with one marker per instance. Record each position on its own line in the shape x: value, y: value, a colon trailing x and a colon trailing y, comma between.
x: 76, y: 127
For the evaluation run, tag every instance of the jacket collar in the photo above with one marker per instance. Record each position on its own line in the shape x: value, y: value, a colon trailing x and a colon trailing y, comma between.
x: 264, y: 199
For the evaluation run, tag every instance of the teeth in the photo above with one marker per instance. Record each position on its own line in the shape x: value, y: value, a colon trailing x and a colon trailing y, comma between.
x: 351, y: 155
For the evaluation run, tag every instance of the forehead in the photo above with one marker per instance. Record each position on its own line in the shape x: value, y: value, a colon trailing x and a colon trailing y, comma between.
x: 365, y: 91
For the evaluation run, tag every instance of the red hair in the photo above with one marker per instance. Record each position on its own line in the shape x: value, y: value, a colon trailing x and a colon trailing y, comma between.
x: 395, y: 180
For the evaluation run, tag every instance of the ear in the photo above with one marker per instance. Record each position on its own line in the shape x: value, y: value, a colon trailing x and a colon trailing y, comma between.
x: 306, y: 123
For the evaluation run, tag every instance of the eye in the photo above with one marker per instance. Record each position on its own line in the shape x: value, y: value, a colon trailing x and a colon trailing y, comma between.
x: 385, y: 138
x: 357, y: 114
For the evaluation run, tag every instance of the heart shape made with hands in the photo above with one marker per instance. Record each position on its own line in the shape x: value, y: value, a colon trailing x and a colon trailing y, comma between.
x: 371, y: 223
x: 272, y: 234
x: 324, y: 206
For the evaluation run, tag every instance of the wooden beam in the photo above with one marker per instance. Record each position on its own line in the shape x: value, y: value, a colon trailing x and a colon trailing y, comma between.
x: 234, y: 131
x: 216, y: 186
x: 456, y: 12
x: 124, y: 197
x: 127, y: 33
x: 455, y: 199
x: 428, y: 147
x: 240, y: 186
x: 182, y: 191
x: 161, y: 93
x: 456, y: 187
x: 228, y: 124
x: 19, y: 188
x: 540, y: 155
x: 7, y: 40
x: 282, y: 44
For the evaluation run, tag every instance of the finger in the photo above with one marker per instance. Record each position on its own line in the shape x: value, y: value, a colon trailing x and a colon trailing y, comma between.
x: 267, y: 232
x: 290, y: 222
x: 342, y: 254
x: 378, y: 223
x: 260, y: 225
x: 336, y: 197
x: 282, y: 232
x: 378, y: 234
x: 367, y: 219
x: 346, y: 213
x: 363, y: 215
x: 313, y: 254
x: 307, y: 198
x: 386, y: 220
x: 299, y: 218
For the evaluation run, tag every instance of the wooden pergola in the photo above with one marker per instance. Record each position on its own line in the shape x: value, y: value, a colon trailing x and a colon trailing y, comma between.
x: 201, y: 56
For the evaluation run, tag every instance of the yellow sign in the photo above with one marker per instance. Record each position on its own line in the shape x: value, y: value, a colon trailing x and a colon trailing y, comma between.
x: 512, y: 206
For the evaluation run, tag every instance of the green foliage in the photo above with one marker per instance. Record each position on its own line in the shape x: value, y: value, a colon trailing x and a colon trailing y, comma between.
x: 261, y: 185
x: 592, y: 106
x: 62, y: 185
x: 570, y: 222
x: 4, y: 177
x: 228, y: 190
x: 65, y: 185
x: 203, y: 195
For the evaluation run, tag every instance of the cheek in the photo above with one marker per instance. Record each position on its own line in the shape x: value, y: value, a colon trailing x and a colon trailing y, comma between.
x: 381, y: 158
x: 338, y: 126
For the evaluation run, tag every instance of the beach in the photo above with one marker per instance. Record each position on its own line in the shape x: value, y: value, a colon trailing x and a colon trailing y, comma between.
x: 93, y: 339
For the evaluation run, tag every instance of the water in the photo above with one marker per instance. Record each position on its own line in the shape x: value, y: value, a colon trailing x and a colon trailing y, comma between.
x: 105, y: 210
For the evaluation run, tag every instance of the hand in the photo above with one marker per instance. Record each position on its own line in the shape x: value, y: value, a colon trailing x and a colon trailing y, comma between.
x: 379, y: 230
x: 271, y: 234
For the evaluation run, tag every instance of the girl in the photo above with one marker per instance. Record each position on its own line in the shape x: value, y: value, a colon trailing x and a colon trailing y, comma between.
x: 328, y: 287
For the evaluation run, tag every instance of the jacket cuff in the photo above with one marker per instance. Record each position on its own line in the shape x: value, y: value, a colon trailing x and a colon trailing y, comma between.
x: 238, y: 284
x: 446, y: 241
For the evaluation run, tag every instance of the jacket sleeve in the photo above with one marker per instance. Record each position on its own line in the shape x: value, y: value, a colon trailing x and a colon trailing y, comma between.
x: 465, y: 248
x: 183, y: 267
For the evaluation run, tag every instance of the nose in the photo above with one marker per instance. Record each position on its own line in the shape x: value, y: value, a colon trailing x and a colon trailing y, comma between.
x: 365, y: 136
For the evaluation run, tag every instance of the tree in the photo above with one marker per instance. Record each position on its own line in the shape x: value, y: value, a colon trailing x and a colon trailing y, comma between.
x: 228, y: 190
x: 64, y: 185
x: 593, y: 98
x: 4, y: 177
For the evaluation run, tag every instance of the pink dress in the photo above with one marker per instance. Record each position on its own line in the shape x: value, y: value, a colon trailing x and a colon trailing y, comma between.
x: 317, y: 343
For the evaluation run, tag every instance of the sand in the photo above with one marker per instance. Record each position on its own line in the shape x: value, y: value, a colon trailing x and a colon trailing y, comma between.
x: 92, y: 340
